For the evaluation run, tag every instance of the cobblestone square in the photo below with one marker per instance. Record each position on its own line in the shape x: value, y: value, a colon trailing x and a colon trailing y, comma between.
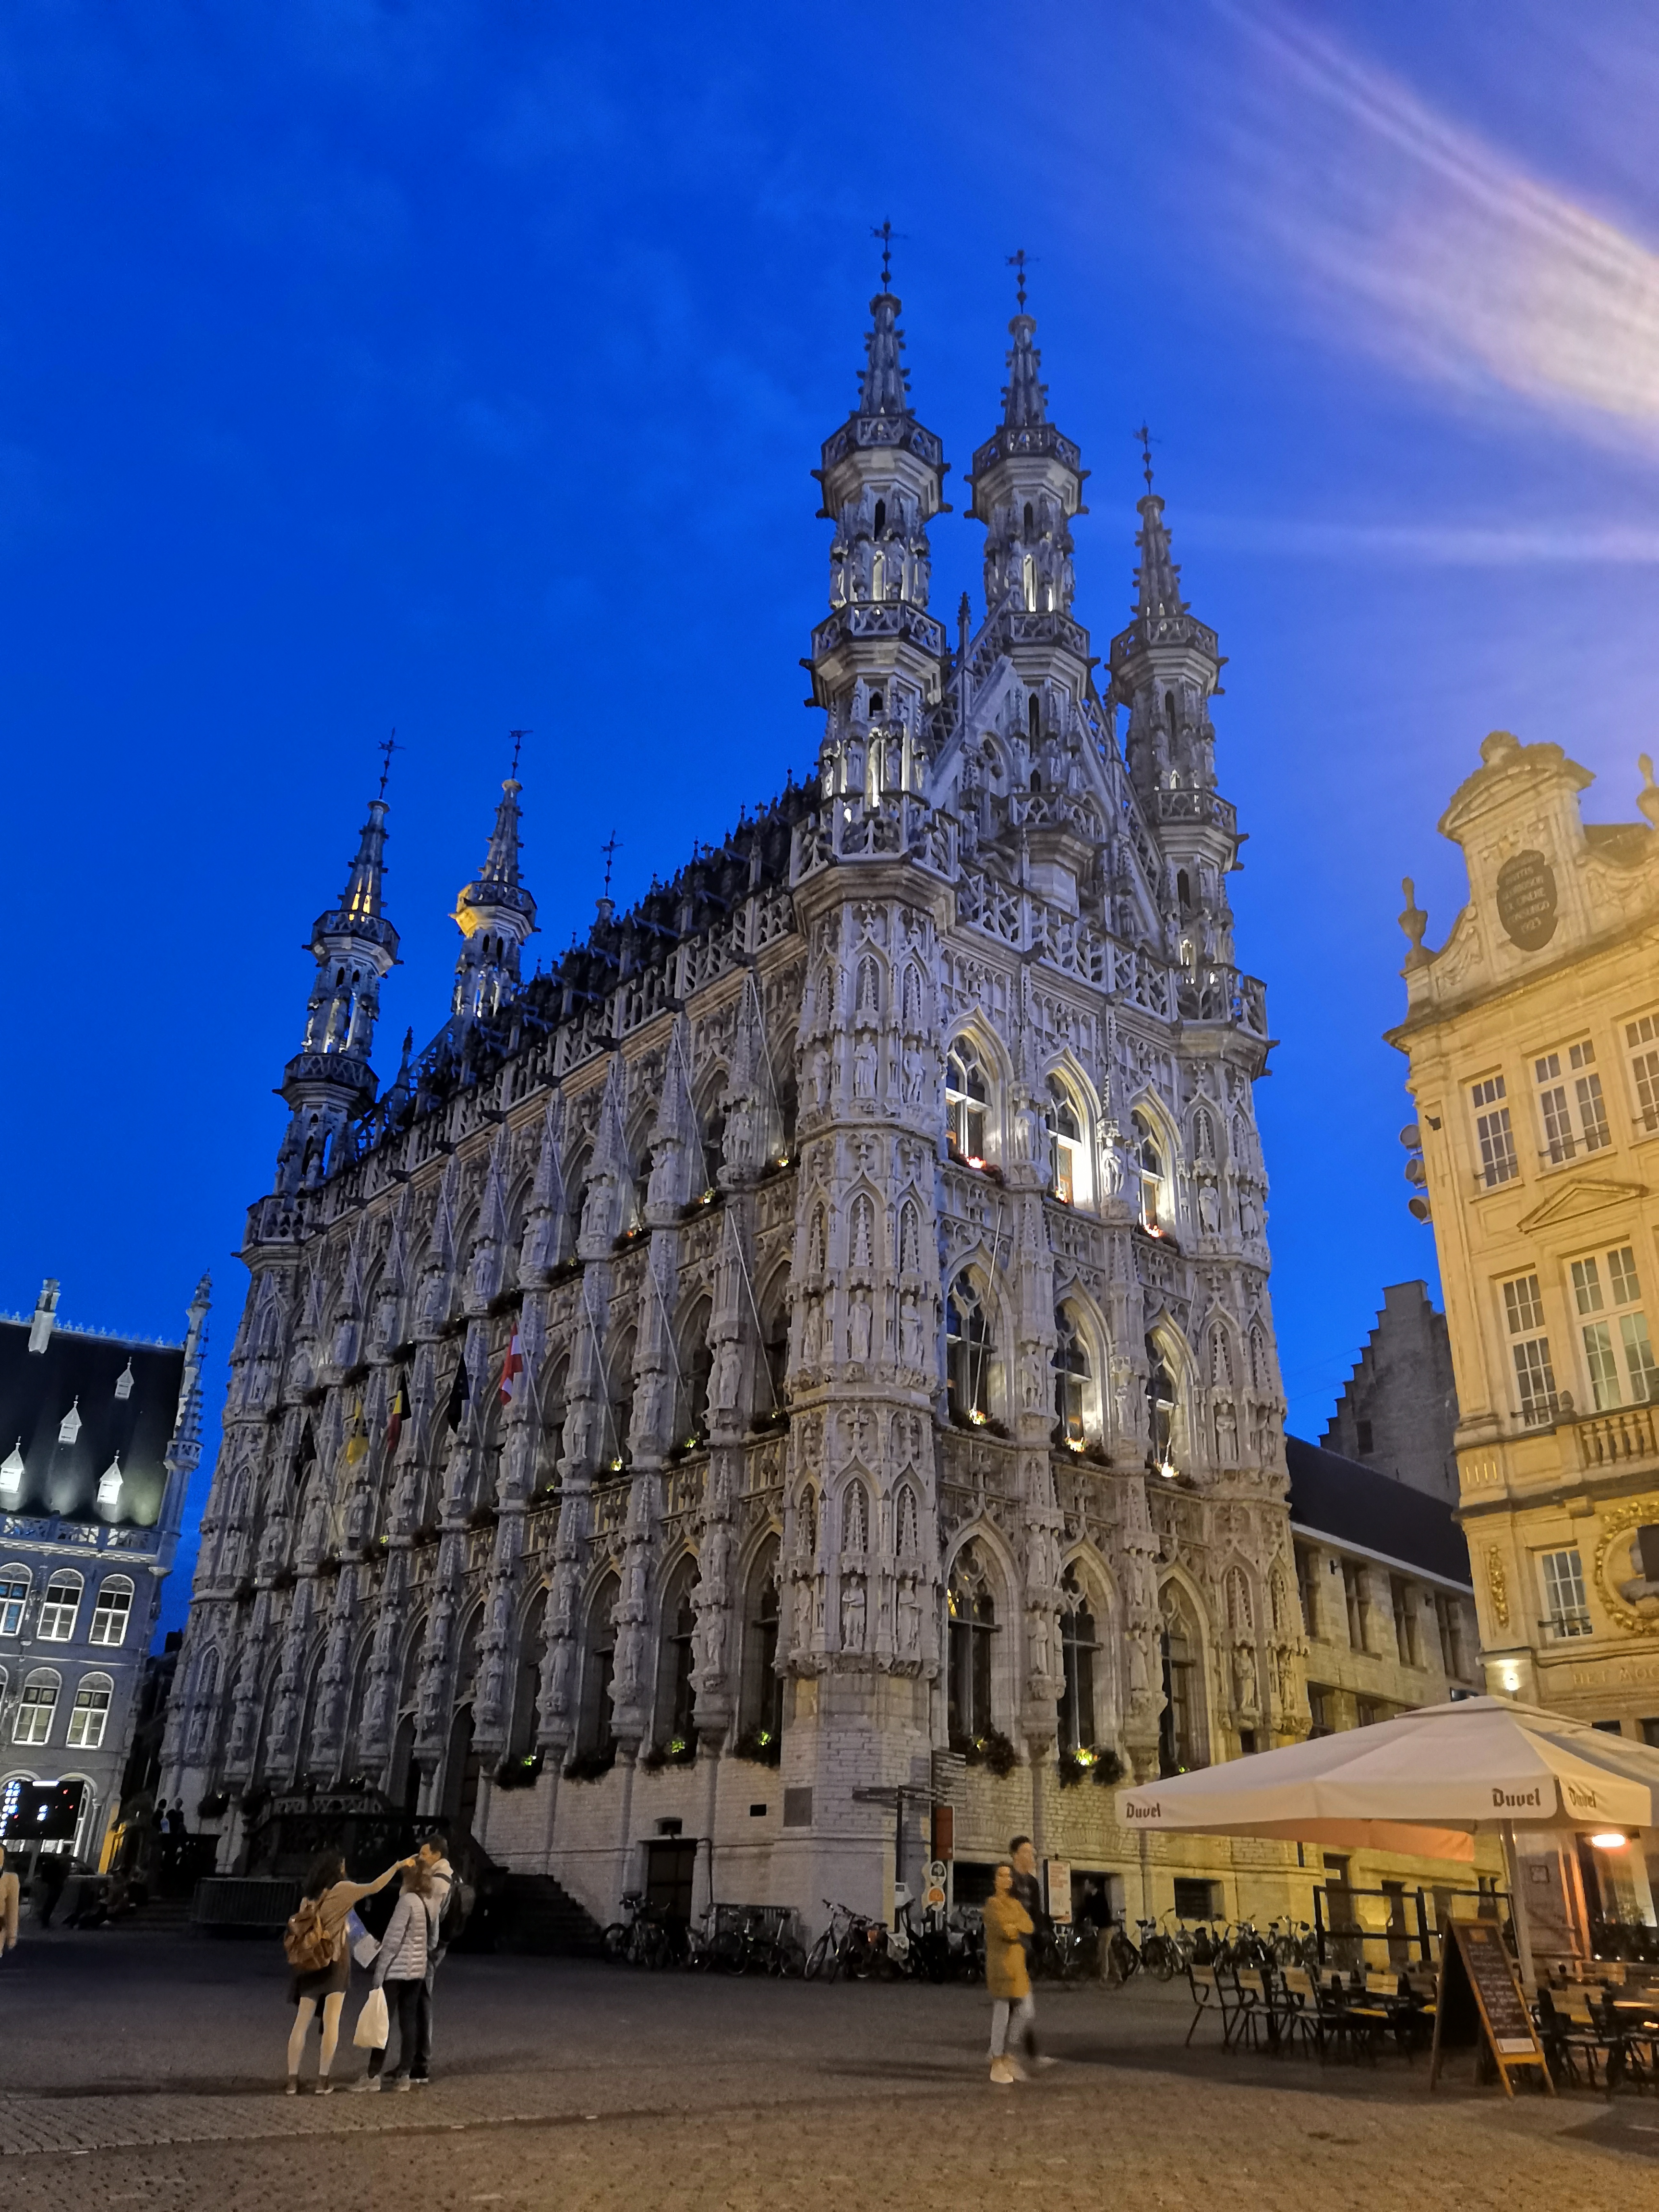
x: 154, y: 2067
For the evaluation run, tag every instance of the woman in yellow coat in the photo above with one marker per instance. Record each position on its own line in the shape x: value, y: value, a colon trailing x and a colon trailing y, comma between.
x: 1005, y: 1976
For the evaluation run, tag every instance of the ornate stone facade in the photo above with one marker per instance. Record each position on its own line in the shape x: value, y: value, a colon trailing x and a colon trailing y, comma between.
x: 817, y: 1338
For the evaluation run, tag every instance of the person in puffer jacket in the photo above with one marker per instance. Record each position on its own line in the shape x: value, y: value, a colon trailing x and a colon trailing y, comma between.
x: 400, y: 1970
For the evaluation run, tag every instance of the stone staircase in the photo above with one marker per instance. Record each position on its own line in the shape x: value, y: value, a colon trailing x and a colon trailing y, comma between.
x: 531, y: 1913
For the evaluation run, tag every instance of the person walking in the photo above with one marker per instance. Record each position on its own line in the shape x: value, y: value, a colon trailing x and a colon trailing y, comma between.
x: 11, y: 1896
x: 1028, y: 1889
x: 320, y: 1928
x: 1007, y: 1925
x: 52, y: 1874
x: 400, y: 1970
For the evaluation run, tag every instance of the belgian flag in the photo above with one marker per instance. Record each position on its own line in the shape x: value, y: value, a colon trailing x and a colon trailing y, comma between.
x: 394, y: 1419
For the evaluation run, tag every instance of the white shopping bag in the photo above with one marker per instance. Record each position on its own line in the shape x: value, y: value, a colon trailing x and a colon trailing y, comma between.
x: 373, y: 2026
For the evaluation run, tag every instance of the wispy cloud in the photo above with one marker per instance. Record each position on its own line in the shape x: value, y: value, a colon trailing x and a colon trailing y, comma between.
x: 1434, y: 246
x: 1452, y: 545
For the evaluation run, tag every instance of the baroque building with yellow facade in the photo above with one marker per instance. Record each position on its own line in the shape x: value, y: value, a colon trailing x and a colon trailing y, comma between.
x: 1533, y: 1039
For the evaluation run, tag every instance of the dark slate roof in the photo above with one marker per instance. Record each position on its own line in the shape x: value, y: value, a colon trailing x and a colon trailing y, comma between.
x: 1335, y: 1497
x: 37, y: 1388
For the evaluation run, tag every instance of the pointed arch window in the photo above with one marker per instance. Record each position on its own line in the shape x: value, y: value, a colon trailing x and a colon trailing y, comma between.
x: 1077, y: 1646
x: 972, y: 1617
x: 1071, y: 1377
x: 677, y: 1695
x: 1160, y: 1409
x: 1181, y: 1742
x: 879, y: 523
x: 1028, y: 583
x: 1149, y: 1162
x: 1066, y: 1145
x: 763, y: 1685
x: 599, y: 1666
x: 967, y: 1101
x: 967, y: 1352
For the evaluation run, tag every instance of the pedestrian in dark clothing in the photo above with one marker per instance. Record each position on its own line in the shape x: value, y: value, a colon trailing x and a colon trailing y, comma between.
x: 433, y: 1855
x: 1028, y: 1892
x: 52, y: 1873
x: 400, y: 1970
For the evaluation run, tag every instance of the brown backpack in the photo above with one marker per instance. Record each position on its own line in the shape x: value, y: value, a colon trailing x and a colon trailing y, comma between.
x: 307, y: 1944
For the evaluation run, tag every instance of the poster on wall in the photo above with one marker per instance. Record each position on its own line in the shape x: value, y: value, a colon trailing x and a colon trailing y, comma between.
x: 1057, y: 1885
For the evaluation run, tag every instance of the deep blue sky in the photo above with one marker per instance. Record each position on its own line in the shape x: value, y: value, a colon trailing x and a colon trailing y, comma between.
x: 456, y: 367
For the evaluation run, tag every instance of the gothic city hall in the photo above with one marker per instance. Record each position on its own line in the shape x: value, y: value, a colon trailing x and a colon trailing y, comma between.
x: 805, y: 1360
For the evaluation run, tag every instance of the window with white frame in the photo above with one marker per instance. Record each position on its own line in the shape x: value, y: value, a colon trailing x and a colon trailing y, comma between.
x: 111, y: 1613
x: 1618, y: 1352
x: 89, y: 1714
x: 1642, y: 1041
x: 1493, y: 1132
x: 967, y: 1100
x: 1574, y: 1114
x: 1529, y: 1348
x: 36, y: 1704
x: 59, y: 1606
x: 1071, y: 1376
x: 1149, y: 1159
x: 1066, y: 1145
x: 1562, y: 1575
x: 14, y: 1597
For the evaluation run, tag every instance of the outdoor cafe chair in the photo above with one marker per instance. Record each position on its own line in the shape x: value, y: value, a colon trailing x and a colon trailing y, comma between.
x: 1255, y: 2022
x: 1574, y: 2038
x: 1210, y: 2000
x: 1297, y: 2000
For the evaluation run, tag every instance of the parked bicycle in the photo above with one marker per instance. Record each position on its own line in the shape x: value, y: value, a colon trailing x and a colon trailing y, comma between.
x: 643, y: 1939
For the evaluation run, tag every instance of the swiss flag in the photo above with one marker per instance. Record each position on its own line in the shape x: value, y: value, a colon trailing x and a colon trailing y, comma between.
x: 512, y: 1368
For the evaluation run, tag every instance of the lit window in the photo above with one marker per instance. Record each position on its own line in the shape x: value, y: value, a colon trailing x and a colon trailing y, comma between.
x: 35, y: 1708
x: 1066, y: 1140
x: 89, y: 1715
x: 1535, y: 1378
x: 109, y: 1618
x: 967, y: 1351
x: 1071, y: 1376
x: 967, y: 1096
x: 59, y: 1606
x: 1574, y: 1112
x: 1078, y: 1647
x: 1562, y: 1577
x: 1160, y: 1408
x: 1149, y: 1159
x: 1493, y: 1132
x: 14, y: 1597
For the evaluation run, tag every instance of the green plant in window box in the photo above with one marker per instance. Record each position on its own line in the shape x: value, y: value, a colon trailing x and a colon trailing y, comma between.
x: 519, y: 1773
x: 993, y: 1751
x: 763, y: 1746
x: 590, y: 1765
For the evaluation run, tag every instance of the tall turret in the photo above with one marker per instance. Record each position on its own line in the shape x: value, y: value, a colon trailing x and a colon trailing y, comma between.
x: 495, y: 915
x: 329, y: 1080
x: 878, y: 658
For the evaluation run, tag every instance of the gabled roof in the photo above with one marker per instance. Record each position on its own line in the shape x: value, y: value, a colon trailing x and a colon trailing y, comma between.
x: 38, y: 1388
x: 1337, y: 1498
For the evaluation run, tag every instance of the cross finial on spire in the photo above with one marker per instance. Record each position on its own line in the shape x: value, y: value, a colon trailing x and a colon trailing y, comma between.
x: 885, y: 232
x: 1021, y: 260
x: 390, y: 747
x: 517, y: 738
x: 1146, y: 438
x: 611, y: 849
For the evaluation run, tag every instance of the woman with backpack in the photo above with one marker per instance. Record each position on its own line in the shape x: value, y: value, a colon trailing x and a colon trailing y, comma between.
x: 315, y: 1943
x: 400, y: 1967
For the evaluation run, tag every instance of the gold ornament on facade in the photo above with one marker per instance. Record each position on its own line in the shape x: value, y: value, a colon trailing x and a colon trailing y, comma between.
x: 1617, y: 1573
x: 1497, y: 1584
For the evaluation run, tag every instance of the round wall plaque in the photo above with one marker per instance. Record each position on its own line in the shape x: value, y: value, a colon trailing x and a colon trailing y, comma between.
x: 1526, y: 901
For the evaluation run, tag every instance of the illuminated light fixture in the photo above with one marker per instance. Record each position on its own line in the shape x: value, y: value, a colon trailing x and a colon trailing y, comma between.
x: 1511, y: 1675
x: 11, y: 1470
x: 977, y: 1419
x: 974, y: 1161
x: 1074, y: 1443
x: 1170, y: 1471
x: 1610, y: 1840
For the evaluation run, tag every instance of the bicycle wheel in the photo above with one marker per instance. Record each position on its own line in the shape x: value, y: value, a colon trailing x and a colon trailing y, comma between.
x: 818, y: 1958
x: 1162, y: 1961
x: 615, y: 1939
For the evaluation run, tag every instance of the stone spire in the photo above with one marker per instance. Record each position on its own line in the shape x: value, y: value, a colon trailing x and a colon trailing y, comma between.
x: 329, y: 1081
x: 1157, y: 579
x: 495, y: 915
x: 877, y: 660
x: 1024, y: 397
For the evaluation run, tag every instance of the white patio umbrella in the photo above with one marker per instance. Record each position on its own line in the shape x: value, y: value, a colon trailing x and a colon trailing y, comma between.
x: 1426, y: 1782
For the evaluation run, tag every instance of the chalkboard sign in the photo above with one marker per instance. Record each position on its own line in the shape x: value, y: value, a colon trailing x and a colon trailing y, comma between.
x: 1480, y: 1997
